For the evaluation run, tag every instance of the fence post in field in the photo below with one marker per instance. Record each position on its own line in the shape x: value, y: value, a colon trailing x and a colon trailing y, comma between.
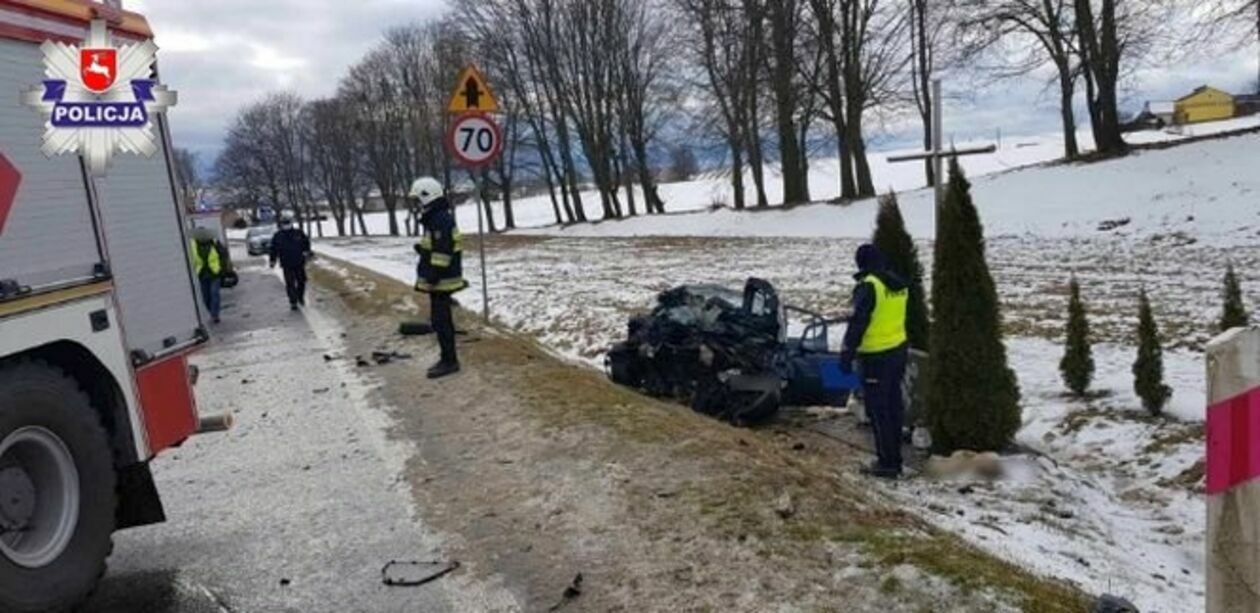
x: 1233, y: 465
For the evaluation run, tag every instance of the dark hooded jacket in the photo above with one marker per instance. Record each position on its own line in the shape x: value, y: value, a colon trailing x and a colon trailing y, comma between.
x: 870, y: 262
x: 290, y: 246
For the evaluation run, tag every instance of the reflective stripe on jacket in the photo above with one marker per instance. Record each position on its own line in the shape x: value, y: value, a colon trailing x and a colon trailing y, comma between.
x: 887, y: 328
x: 206, y: 255
x: 441, y: 251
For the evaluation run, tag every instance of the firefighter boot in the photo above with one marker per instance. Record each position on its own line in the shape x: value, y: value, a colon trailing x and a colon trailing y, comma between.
x: 443, y: 368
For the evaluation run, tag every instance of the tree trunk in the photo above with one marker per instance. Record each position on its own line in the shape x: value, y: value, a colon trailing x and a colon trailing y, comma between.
x: 857, y: 149
x: 652, y: 202
x: 737, y: 174
x: 509, y: 217
x: 757, y: 164
x: 782, y: 43
x: 1067, y: 89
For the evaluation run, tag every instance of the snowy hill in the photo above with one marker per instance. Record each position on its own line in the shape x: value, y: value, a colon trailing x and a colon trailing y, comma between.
x: 1207, y: 189
x: 690, y: 203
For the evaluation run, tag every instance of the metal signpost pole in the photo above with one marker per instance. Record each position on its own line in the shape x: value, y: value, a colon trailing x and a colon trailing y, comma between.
x: 481, y: 248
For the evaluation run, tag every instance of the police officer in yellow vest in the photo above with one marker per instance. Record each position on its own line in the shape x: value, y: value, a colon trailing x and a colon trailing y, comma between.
x: 876, y: 337
x: 210, y: 263
x: 439, y: 273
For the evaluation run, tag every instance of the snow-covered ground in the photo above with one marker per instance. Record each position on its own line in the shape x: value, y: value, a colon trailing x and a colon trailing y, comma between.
x: 1110, y: 500
x: 1110, y: 497
x: 1208, y: 190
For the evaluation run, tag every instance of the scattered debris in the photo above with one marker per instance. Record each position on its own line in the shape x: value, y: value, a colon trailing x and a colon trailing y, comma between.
x: 411, y: 574
x: 784, y: 506
x: 1112, y: 604
x: 360, y: 362
x: 385, y: 357
x: 321, y: 390
x: 573, y: 591
x: 284, y: 581
x: 1108, y: 225
x: 415, y: 328
x: 329, y: 358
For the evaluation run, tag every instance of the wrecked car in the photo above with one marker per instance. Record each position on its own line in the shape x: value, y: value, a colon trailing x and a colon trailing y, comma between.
x: 728, y: 354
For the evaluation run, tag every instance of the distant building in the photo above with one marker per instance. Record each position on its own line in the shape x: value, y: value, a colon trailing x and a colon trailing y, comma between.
x: 1163, y: 112
x: 1248, y: 104
x: 1204, y: 104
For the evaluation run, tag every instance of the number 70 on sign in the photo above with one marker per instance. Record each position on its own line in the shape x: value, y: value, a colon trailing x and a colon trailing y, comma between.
x: 474, y: 139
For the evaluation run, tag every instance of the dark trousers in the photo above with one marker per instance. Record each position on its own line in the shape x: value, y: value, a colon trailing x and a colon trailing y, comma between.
x: 210, y: 294
x: 882, y: 374
x: 295, y: 284
x: 443, y: 324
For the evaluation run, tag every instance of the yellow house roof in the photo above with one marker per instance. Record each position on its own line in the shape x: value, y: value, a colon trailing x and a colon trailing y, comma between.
x: 1204, y: 89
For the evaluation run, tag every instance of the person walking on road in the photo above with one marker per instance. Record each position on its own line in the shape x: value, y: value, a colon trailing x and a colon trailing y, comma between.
x: 211, y: 262
x: 440, y: 270
x: 291, y: 247
x: 876, y: 337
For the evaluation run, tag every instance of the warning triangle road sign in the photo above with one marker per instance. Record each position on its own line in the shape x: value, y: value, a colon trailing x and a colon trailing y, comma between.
x: 472, y: 93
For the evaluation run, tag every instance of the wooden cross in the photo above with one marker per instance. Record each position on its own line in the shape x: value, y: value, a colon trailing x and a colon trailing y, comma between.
x: 938, y: 154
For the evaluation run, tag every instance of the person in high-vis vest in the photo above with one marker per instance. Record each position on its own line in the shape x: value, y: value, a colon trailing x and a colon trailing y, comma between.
x: 210, y: 262
x: 440, y: 271
x: 876, y: 338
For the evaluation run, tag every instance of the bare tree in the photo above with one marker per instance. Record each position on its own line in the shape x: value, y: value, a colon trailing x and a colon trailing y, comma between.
x: 784, y: 17
x: 864, y: 52
x: 337, y: 164
x: 189, y: 177
x: 726, y: 53
x: 1027, y: 35
x: 379, y: 111
x: 246, y: 170
x: 1235, y: 21
x: 1113, y: 37
x: 932, y: 37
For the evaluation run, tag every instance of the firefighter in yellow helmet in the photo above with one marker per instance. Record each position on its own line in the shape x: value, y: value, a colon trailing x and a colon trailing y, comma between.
x: 440, y: 270
x: 876, y: 337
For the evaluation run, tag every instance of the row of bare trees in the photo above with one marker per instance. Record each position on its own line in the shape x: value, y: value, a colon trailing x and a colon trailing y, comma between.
x: 595, y: 93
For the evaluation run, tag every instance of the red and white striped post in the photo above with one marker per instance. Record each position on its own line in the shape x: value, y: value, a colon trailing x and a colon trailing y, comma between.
x: 1233, y: 468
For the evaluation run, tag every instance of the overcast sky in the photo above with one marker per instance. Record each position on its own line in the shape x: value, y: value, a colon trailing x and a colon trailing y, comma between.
x: 223, y: 54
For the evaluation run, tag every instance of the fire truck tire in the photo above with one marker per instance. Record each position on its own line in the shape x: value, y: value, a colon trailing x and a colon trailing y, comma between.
x: 55, y: 455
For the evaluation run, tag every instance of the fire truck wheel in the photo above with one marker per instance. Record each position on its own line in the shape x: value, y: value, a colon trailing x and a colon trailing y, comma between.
x: 57, y: 499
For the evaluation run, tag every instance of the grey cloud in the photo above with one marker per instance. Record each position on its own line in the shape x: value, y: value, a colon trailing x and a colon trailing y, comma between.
x: 210, y: 52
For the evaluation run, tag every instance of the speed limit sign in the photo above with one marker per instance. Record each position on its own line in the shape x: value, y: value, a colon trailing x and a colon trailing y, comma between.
x: 474, y: 139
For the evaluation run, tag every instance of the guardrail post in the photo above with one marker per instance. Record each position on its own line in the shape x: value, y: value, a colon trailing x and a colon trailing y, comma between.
x: 1233, y: 465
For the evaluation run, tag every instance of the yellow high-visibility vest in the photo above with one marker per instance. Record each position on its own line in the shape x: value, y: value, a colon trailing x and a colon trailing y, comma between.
x: 887, y: 329
x: 212, y: 260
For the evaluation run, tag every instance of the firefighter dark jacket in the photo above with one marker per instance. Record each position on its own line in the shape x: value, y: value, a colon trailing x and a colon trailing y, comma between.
x: 441, y: 267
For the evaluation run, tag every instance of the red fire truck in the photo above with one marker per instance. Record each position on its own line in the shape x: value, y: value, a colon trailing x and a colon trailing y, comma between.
x: 98, y: 314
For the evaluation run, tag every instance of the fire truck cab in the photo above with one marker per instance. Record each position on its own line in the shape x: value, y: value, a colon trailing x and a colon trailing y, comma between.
x: 98, y: 314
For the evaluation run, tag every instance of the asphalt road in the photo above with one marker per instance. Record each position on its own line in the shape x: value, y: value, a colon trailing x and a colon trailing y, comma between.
x: 299, y: 506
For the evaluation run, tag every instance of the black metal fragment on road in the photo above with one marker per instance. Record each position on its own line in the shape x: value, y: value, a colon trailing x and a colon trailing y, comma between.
x: 411, y: 573
x: 572, y: 591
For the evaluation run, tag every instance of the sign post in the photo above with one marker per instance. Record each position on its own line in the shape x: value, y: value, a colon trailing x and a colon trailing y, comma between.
x: 475, y: 140
x: 1233, y: 471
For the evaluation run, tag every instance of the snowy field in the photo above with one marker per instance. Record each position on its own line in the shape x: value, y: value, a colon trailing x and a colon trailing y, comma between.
x: 1108, y: 496
x: 534, y: 214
